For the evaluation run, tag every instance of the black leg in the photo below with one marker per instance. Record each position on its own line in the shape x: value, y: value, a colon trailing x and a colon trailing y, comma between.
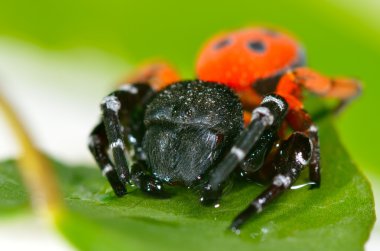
x: 271, y: 112
x: 314, y: 166
x: 98, y: 145
x: 294, y: 155
x: 121, y: 130
x: 258, y: 155
x: 110, y: 107
x: 300, y: 120
x: 142, y: 178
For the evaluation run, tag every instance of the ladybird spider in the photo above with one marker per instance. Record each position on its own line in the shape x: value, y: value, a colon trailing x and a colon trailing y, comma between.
x: 162, y: 131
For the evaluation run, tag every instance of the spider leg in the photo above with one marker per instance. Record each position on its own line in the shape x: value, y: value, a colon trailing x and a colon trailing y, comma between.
x: 346, y: 90
x: 301, y: 121
x: 258, y: 155
x: 110, y: 107
x: 121, y: 129
x: 343, y: 89
x: 98, y: 145
x: 271, y: 112
x: 294, y: 155
x: 146, y: 182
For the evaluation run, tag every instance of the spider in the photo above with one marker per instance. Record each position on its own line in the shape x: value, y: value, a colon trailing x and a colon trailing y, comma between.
x: 163, y: 131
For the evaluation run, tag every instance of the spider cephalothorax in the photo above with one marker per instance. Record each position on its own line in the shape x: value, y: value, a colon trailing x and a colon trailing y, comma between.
x: 188, y: 126
x: 163, y: 131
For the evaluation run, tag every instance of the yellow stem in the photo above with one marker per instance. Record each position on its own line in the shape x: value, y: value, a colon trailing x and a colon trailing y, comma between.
x: 35, y: 169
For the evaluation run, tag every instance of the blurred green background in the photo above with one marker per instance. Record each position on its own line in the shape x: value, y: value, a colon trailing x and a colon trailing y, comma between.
x: 338, y: 41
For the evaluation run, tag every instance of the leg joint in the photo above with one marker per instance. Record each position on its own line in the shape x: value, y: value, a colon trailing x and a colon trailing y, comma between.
x: 111, y: 103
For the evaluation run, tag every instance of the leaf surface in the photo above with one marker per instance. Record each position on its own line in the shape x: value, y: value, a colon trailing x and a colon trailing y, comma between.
x: 338, y: 216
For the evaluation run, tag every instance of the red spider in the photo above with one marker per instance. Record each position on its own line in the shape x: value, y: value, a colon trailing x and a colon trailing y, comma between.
x: 165, y: 131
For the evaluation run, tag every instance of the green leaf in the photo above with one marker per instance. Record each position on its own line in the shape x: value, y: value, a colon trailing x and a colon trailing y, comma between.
x: 13, y: 196
x: 338, y: 216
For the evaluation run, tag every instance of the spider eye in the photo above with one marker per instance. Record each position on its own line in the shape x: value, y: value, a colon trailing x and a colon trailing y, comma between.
x: 256, y: 46
x: 222, y: 43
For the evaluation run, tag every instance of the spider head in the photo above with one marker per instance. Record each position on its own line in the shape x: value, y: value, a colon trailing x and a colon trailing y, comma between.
x: 189, y: 125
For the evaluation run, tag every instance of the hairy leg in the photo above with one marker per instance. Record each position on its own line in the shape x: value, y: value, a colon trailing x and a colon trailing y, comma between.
x: 293, y: 156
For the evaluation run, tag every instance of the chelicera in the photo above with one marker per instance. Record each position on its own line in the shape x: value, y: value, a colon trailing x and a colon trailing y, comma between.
x: 163, y: 131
